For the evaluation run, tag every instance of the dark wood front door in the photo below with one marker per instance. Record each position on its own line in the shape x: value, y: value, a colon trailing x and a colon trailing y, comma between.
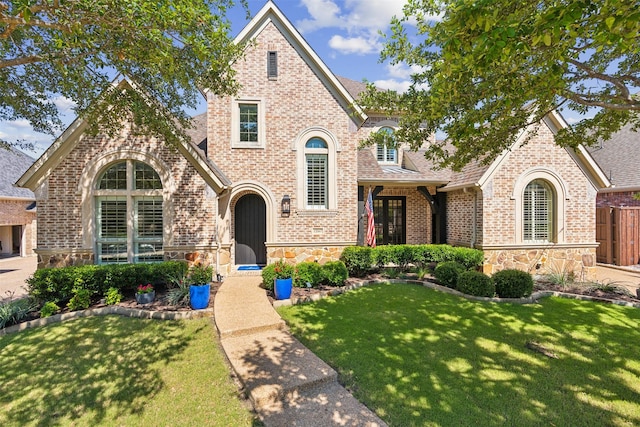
x: 251, y: 230
x: 390, y: 218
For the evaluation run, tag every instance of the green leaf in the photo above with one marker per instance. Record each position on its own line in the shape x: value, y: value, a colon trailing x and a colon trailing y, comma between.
x: 547, y: 39
x: 609, y: 21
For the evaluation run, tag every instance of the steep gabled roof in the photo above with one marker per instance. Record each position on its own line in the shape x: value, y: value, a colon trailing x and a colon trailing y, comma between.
x: 66, y: 142
x: 271, y: 14
x: 619, y: 158
x: 476, y: 174
x: 13, y: 163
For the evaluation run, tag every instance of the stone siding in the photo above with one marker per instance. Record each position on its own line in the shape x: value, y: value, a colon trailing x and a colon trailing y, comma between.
x: 576, y: 263
x: 297, y: 254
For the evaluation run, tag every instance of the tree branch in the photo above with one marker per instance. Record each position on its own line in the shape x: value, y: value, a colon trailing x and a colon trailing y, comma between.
x: 607, y: 78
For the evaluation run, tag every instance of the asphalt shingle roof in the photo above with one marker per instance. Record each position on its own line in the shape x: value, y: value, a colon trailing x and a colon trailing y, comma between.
x: 13, y: 163
x: 619, y: 158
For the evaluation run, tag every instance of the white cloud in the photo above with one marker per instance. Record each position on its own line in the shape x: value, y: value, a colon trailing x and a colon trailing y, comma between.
x: 392, y: 84
x: 63, y: 104
x: 357, y: 45
x: 402, y: 71
x: 324, y: 13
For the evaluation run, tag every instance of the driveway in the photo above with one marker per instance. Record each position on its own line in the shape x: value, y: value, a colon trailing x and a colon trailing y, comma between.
x: 628, y: 277
x: 13, y: 273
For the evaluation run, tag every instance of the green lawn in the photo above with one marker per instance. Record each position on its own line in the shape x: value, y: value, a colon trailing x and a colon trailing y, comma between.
x: 420, y: 357
x: 118, y: 371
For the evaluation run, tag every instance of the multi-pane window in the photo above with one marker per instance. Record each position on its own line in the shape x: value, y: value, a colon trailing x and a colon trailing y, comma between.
x: 129, y: 215
x: 538, y: 211
x: 248, y: 122
x: 386, y: 151
x: 316, y: 156
x: 389, y: 214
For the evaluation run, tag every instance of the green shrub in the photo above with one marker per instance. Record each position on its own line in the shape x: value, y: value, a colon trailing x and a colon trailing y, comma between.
x: 307, y: 272
x: 335, y: 273
x: 268, y: 276
x: 513, y: 283
x: 113, y: 296
x: 391, y: 272
x: 279, y: 269
x: 80, y: 300
x: 49, y: 309
x: 470, y: 258
x: 398, y: 255
x: 358, y: 260
x: 475, y: 283
x: 447, y: 273
x: 14, y: 311
x: 199, y: 274
x: 57, y: 284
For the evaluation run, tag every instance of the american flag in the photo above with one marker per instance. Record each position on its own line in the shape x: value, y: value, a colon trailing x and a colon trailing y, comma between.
x: 371, y: 226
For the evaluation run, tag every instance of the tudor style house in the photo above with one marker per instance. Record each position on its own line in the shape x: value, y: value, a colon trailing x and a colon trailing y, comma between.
x: 276, y: 172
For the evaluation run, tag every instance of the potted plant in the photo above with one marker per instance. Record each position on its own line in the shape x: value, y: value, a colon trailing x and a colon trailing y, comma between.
x: 145, y: 294
x: 199, y: 278
x: 284, y: 279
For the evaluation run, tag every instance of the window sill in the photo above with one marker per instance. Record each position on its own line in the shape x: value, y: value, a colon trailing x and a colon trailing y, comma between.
x: 255, y: 146
x: 317, y: 212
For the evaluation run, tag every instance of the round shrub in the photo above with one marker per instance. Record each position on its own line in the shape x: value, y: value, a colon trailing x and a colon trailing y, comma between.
x: 447, y: 273
x: 513, y: 283
x: 307, y: 272
x: 49, y: 309
x: 357, y: 259
x: 476, y: 283
x: 335, y: 273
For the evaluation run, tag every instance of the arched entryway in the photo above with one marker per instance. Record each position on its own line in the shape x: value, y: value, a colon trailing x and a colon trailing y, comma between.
x: 250, y: 230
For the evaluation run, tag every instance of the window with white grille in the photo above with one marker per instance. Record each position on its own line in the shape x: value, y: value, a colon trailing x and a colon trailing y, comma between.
x: 538, y: 212
x: 129, y: 215
x: 316, y: 155
x: 386, y: 152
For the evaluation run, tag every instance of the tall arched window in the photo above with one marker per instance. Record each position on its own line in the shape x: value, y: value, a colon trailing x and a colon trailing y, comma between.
x: 386, y: 152
x: 538, y: 212
x: 316, y: 155
x: 129, y: 215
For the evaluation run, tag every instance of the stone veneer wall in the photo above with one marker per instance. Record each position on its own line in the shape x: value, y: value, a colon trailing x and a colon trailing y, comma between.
x: 294, y: 255
x: 578, y: 262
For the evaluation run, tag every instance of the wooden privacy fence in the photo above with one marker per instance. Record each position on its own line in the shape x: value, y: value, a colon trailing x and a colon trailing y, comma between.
x: 618, y: 232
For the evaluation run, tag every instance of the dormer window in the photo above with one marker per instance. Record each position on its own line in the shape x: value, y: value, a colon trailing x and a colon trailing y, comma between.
x: 386, y: 151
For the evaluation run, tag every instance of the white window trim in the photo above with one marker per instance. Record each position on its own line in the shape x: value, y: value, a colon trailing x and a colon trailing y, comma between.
x: 235, y: 123
x: 391, y: 125
x: 130, y: 195
x: 561, y: 194
x: 88, y: 192
x: 333, y: 147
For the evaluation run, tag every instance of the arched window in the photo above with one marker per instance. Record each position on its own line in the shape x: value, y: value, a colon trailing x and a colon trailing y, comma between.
x: 386, y: 152
x: 129, y: 214
x: 538, y: 212
x: 317, y: 172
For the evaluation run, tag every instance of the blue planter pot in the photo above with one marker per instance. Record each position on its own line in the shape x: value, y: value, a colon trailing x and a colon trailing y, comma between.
x: 146, y: 298
x: 282, y: 288
x: 199, y: 296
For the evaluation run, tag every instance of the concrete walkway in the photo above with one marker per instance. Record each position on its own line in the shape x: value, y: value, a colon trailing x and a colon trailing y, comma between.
x: 287, y: 383
x: 13, y: 273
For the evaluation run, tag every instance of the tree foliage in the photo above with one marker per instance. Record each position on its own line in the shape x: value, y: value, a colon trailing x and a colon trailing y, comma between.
x: 169, y: 49
x: 491, y: 68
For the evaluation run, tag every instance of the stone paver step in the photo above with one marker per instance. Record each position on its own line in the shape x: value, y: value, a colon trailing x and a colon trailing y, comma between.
x: 325, y: 406
x: 273, y: 364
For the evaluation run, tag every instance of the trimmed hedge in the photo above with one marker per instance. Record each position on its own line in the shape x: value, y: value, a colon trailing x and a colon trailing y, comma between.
x: 475, y: 283
x: 60, y: 285
x: 361, y: 260
x: 447, y: 273
x: 335, y: 273
x: 357, y: 259
x: 513, y: 283
x: 307, y: 272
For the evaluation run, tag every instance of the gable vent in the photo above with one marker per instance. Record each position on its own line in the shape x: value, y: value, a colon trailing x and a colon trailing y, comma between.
x: 272, y: 64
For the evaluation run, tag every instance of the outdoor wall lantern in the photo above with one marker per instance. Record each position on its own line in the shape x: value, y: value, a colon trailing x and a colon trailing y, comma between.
x: 285, y: 205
